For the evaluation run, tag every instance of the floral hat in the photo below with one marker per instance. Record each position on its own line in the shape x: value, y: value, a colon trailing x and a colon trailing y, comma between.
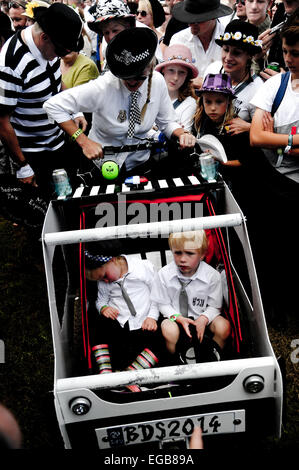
x: 31, y: 5
x: 178, y: 54
x: 241, y: 34
x: 109, y: 10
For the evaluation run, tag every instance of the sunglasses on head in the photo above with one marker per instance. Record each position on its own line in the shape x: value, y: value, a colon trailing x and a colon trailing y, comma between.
x: 143, y: 13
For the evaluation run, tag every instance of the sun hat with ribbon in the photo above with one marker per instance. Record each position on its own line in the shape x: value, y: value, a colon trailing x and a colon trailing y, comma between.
x: 178, y: 54
x: 219, y: 83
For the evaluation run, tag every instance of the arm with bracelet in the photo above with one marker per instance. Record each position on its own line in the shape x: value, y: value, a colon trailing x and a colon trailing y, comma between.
x: 8, y: 136
x: 168, y: 312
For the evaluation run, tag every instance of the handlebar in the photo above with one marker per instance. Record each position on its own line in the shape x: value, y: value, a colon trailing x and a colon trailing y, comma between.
x: 145, y: 145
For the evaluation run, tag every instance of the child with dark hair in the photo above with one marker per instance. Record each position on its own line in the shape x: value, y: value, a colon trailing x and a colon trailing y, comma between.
x: 127, y: 335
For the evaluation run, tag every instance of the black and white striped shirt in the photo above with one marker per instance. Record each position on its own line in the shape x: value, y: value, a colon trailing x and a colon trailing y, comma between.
x: 27, y: 80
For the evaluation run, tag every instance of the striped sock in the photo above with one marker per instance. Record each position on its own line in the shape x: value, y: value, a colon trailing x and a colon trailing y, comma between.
x: 102, y: 356
x: 144, y: 360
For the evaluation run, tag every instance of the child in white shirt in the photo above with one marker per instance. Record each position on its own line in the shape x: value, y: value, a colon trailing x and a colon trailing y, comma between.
x: 124, y: 331
x: 203, y: 289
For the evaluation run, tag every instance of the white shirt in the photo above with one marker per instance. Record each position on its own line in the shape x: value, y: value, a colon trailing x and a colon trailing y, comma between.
x: 202, y: 58
x: 185, y: 112
x: 107, y: 97
x: 204, y: 291
x: 138, y: 283
x: 286, y: 116
x: 244, y: 109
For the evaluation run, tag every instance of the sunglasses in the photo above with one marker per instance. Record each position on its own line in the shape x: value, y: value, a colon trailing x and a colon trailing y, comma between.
x: 15, y: 5
x: 143, y: 13
x: 240, y: 1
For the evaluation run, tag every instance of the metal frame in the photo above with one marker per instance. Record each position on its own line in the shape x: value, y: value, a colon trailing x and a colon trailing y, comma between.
x: 66, y: 387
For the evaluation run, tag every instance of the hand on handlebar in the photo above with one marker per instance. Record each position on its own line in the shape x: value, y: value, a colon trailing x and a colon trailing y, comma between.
x: 92, y: 150
x: 187, y: 140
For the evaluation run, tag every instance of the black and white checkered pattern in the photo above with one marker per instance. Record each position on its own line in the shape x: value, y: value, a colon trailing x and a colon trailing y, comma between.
x: 135, y: 116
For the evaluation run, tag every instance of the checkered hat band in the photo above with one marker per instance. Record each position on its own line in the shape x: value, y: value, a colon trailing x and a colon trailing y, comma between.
x: 96, y: 260
x: 128, y: 58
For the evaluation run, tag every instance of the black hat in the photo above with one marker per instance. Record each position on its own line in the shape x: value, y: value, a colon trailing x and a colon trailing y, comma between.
x: 243, y: 35
x: 5, y: 26
x: 62, y: 24
x: 158, y: 13
x: 197, y: 11
x: 130, y: 51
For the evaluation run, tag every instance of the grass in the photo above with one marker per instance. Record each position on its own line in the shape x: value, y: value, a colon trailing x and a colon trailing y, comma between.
x: 26, y: 377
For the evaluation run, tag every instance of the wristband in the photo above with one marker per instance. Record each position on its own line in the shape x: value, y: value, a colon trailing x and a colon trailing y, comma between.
x: 174, y: 316
x: 104, y: 306
x: 290, y: 144
x: 25, y: 171
x: 76, y: 134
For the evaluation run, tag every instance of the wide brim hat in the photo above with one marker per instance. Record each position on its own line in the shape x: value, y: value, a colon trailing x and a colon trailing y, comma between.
x: 29, y: 13
x: 108, y: 10
x: 197, y: 11
x: 130, y: 51
x: 178, y: 54
x: 158, y: 13
x: 217, y: 83
x: 241, y: 34
x: 62, y: 24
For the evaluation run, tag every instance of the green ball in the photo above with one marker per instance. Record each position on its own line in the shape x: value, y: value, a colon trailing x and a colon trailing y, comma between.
x: 110, y: 170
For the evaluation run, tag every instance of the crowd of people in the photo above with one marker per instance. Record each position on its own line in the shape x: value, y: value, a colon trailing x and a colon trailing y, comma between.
x: 78, y: 75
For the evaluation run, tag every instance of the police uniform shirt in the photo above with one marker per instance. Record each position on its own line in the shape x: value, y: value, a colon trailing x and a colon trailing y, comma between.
x: 109, y: 100
x: 204, y: 292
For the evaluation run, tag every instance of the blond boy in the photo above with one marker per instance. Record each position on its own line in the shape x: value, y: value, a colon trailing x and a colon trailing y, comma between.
x: 203, y: 288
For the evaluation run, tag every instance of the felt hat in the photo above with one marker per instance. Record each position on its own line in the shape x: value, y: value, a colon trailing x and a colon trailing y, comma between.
x: 130, y: 51
x: 34, y: 4
x: 178, y: 54
x: 109, y: 10
x: 158, y: 13
x: 93, y: 261
x: 5, y: 26
x: 62, y: 24
x: 241, y: 34
x: 219, y: 83
x: 197, y: 11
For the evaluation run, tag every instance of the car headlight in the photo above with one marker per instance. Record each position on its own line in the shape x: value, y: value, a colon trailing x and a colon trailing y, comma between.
x: 80, y: 406
x: 253, y: 384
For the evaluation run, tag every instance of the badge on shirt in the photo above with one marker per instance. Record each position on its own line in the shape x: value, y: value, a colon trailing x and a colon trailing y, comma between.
x: 122, y: 115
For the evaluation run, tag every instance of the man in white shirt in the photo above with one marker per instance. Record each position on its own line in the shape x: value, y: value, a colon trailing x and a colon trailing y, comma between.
x: 204, y: 26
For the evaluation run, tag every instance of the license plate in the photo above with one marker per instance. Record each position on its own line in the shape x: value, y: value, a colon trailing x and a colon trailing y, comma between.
x: 171, y: 429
